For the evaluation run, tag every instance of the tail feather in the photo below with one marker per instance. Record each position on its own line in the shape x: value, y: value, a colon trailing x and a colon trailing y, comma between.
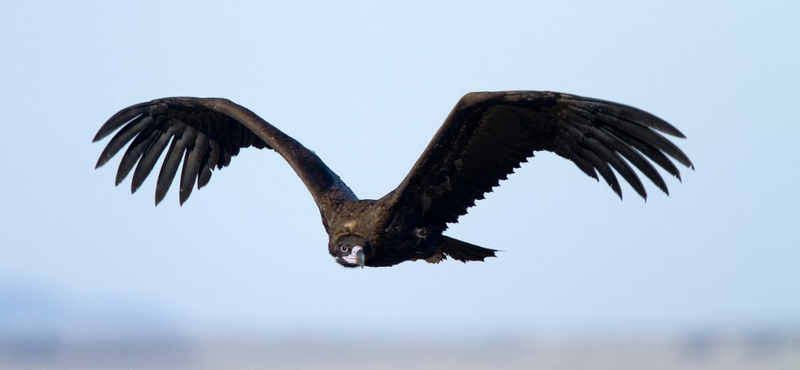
x: 464, y: 251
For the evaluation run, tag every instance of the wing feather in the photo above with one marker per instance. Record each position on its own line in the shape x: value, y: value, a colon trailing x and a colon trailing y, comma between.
x: 120, y: 118
x: 651, y: 152
x: 150, y: 155
x: 123, y: 137
x: 135, y: 151
x: 647, y: 136
x: 602, y: 155
x: 190, y: 171
x: 633, y: 157
x: 171, y: 162
x: 601, y: 166
x: 212, y: 156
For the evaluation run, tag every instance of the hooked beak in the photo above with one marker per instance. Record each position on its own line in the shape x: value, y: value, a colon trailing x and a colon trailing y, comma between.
x: 356, y: 256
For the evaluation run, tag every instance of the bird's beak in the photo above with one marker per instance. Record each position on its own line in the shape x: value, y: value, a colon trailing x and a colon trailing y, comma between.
x: 356, y: 256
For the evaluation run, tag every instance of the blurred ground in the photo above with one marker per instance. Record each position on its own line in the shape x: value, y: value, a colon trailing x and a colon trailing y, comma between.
x: 751, y: 350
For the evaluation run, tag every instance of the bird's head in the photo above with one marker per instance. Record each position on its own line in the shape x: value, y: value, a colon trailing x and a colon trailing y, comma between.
x: 350, y: 250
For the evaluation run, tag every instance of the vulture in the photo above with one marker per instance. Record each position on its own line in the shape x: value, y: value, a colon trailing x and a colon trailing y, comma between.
x: 484, y: 138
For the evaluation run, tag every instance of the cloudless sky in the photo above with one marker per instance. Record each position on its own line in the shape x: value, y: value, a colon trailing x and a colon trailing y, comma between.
x: 365, y: 86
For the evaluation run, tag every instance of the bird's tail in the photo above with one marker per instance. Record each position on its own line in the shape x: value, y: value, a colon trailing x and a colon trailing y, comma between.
x: 464, y: 251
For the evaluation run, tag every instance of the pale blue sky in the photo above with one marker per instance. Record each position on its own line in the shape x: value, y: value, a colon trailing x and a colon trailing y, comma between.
x: 366, y: 86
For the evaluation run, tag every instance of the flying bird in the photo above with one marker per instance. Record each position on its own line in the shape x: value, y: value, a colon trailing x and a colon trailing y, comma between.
x: 484, y: 138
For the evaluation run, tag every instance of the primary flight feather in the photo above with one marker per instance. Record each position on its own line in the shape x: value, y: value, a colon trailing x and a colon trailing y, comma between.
x: 486, y: 136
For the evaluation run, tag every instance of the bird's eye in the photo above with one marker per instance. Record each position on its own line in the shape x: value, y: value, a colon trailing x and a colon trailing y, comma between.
x: 343, y: 248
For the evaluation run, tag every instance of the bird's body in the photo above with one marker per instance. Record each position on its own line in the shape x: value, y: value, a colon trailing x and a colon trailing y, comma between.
x: 485, y: 137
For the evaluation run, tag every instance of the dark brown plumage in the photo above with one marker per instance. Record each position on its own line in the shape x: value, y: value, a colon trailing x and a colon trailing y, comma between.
x: 486, y: 136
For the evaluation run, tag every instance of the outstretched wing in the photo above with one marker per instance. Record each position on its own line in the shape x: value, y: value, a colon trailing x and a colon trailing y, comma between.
x: 489, y: 134
x: 204, y: 133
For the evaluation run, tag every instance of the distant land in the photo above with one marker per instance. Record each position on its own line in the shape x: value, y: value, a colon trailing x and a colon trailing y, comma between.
x: 30, y: 310
x: 40, y: 330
